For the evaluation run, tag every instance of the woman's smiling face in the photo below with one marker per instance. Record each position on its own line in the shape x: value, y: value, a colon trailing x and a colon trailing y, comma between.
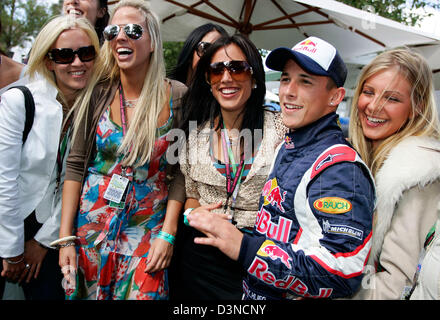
x: 72, y: 76
x: 384, y: 104
x: 84, y: 8
x: 131, y: 54
x: 231, y: 94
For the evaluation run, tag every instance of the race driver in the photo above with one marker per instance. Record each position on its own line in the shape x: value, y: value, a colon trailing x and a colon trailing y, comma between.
x: 312, y: 235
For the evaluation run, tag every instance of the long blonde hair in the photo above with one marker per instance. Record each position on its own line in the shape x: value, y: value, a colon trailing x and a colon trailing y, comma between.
x: 45, y: 40
x: 424, y: 121
x: 137, y: 145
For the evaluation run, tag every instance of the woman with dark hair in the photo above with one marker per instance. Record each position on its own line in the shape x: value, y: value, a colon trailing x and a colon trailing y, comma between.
x: 194, y: 47
x: 96, y: 11
x: 226, y: 167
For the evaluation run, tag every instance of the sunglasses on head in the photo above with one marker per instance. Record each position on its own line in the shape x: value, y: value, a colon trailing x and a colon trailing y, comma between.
x: 132, y: 30
x: 239, y: 70
x: 202, y: 47
x: 67, y: 55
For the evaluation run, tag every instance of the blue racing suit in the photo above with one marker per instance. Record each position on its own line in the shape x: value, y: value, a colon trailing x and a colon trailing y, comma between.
x: 312, y: 235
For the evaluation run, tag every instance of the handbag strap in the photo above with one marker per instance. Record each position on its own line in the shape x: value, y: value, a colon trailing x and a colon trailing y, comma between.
x: 30, y: 110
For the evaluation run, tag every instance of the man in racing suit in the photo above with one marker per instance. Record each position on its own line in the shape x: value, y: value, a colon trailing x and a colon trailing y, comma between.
x: 312, y: 235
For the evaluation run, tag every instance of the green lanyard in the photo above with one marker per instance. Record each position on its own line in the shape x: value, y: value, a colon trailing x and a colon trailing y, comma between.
x: 232, y: 185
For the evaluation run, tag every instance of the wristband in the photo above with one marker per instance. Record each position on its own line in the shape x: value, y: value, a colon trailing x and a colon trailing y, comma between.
x: 14, y: 262
x: 185, y: 216
x: 166, y: 236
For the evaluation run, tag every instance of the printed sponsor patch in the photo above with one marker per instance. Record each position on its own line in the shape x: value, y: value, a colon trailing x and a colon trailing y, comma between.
x: 271, y: 250
x: 327, y: 227
x: 288, y: 143
x: 260, y: 269
x: 332, y: 205
x: 273, y: 195
x: 274, y: 230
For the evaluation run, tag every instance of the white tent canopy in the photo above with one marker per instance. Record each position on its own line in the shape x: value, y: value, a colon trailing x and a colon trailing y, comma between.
x: 275, y: 23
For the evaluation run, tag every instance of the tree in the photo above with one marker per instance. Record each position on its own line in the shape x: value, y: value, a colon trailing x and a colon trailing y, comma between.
x: 171, y: 51
x: 22, y: 20
x: 409, y: 12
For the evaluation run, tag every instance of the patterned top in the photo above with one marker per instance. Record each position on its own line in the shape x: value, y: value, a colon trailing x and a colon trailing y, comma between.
x: 146, y: 198
x: 205, y: 183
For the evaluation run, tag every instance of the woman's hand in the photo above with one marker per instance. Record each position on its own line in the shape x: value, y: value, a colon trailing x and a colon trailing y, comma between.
x: 67, y: 262
x: 159, y: 256
x: 33, y: 255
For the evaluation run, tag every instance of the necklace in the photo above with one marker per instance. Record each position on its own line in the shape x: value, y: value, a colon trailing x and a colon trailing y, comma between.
x: 130, y: 103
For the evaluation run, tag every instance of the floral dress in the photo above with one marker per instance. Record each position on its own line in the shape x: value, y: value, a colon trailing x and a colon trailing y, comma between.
x: 114, y: 243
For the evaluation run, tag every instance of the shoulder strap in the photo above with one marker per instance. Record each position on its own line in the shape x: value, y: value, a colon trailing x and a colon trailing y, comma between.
x: 30, y: 110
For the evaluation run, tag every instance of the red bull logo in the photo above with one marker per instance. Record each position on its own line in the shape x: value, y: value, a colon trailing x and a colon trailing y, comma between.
x: 272, y: 194
x: 308, y: 43
x: 260, y: 269
x: 278, y: 231
x: 271, y: 250
x: 288, y: 143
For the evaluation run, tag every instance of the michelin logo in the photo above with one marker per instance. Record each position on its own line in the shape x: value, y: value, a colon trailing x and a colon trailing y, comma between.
x: 342, y: 229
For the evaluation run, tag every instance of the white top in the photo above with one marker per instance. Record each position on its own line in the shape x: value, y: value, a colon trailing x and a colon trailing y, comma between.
x: 28, y: 172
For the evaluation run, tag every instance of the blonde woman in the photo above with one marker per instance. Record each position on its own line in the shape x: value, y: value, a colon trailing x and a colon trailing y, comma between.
x: 32, y: 173
x: 394, y: 126
x: 115, y: 195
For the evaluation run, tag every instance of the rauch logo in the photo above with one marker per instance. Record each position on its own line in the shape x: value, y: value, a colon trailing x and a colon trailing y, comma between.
x: 332, y: 205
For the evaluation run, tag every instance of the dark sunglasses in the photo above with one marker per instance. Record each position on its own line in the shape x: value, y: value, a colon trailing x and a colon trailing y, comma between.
x: 132, y: 30
x: 202, y: 47
x: 239, y: 70
x: 67, y: 55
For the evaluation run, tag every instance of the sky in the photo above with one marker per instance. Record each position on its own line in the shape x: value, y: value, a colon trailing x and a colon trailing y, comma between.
x: 432, y: 24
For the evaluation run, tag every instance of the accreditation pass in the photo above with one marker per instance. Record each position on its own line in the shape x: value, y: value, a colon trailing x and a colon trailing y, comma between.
x: 116, y: 188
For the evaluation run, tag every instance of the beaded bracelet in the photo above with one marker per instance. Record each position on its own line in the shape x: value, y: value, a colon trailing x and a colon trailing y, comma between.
x: 68, y: 238
x: 67, y: 244
x: 167, y: 237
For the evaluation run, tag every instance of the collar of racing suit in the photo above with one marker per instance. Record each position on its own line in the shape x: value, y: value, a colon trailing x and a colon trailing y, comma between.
x: 313, y: 131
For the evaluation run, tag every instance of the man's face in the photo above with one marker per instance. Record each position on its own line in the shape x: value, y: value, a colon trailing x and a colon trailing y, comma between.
x: 304, y: 97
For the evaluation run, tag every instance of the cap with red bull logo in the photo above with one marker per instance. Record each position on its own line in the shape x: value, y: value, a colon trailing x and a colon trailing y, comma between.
x: 315, y: 56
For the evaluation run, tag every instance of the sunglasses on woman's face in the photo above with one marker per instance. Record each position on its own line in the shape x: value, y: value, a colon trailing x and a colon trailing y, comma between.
x: 202, y: 47
x: 132, y: 30
x: 239, y: 70
x: 67, y: 55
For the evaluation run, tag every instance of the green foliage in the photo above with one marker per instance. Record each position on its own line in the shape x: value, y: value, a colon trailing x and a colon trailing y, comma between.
x: 398, y: 10
x: 22, y: 20
x: 171, y: 52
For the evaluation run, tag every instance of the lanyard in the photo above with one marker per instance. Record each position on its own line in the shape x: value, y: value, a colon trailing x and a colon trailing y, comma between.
x: 126, y: 171
x: 62, y: 148
x: 232, y: 185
